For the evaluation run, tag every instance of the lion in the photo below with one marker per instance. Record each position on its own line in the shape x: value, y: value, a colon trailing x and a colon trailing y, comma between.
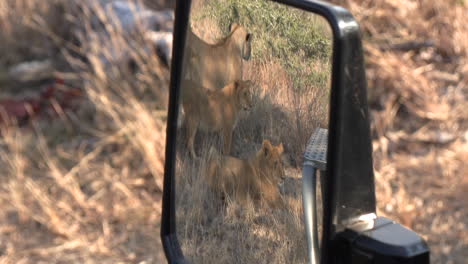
x: 215, y: 65
x: 214, y: 111
x: 256, y: 177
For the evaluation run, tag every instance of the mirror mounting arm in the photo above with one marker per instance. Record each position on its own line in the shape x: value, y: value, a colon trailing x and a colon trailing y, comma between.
x: 168, y: 217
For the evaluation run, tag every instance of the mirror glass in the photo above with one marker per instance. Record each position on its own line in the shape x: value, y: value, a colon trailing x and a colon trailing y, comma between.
x: 255, y: 88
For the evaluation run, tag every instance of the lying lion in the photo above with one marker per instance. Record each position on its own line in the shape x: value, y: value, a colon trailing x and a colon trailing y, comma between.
x: 256, y: 177
x: 214, y: 111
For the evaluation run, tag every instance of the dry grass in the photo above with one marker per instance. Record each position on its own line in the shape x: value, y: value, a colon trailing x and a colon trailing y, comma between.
x: 86, y: 187
x: 211, y: 230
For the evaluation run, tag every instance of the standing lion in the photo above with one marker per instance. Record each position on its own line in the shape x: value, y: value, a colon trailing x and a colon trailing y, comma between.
x: 216, y: 65
x: 214, y: 111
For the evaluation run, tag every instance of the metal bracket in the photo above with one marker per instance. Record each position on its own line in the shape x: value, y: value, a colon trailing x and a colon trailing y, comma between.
x: 316, y: 150
x: 314, y: 159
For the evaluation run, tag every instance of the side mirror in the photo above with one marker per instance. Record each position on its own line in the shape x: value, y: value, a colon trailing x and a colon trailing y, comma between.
x: 339, y: 147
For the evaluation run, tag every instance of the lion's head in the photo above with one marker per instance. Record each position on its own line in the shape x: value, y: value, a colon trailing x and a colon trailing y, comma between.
x: 243, y: 91
x: 243, y: 39
x: 271, y: 159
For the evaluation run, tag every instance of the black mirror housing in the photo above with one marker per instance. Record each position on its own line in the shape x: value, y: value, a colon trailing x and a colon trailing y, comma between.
x: 386, y: 243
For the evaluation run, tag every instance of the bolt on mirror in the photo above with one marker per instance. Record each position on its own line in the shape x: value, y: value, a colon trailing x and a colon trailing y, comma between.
x: 264, y: 95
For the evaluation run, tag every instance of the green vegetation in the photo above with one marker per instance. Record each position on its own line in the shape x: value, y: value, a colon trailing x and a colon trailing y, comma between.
x: 291, y: 37
x: 278, y: 30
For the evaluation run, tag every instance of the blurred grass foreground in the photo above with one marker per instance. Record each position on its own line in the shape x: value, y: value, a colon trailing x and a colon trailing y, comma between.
x: 81, y: 167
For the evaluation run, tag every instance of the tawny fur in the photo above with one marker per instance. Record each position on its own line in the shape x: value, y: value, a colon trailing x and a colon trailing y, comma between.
x: 214, y: 111
x: 256, y: 177
x: 213, y: 66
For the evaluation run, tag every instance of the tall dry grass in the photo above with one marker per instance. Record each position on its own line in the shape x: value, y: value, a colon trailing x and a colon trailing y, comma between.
x: 85, y: 187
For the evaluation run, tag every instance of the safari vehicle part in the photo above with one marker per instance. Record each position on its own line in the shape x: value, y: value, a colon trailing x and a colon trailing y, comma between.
x: 352, y: 233
x: 314, y: 160
x: 366, y: 239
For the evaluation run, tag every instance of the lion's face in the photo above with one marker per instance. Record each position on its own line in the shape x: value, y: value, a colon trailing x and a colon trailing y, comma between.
x: 272, y: 159
x: 244, y: 94
x: 243, y: 39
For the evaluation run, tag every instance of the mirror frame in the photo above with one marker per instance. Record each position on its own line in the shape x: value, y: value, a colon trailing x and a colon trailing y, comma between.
x: 349, y: 182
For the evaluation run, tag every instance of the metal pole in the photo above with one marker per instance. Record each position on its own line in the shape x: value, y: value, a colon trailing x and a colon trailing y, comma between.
x: 309, y: 182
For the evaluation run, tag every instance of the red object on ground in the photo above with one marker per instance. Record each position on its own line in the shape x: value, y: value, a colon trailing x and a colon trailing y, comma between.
x: 25, y: 109
x: 21, y: 110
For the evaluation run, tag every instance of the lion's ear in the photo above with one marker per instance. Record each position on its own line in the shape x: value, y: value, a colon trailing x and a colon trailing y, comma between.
x: 236, y: 85
x: 280, y: 148
x: 266, y: 146
x: 266, y: 151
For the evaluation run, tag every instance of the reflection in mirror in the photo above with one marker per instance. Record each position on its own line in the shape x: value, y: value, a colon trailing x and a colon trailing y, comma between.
x: 255, y: 87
